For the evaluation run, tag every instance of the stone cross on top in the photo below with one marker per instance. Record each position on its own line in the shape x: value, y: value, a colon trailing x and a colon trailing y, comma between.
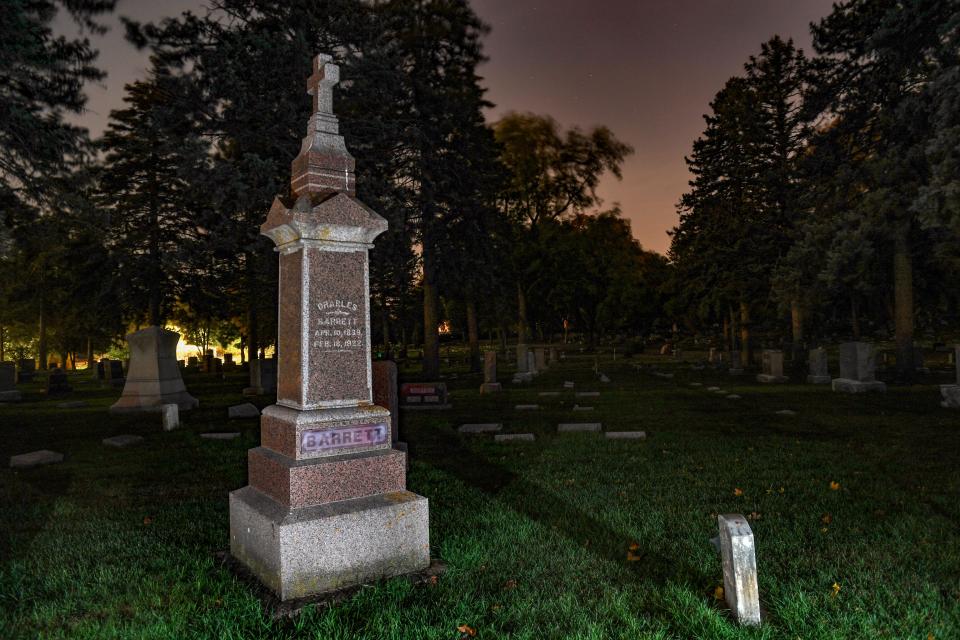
x: 320, y: 85
x: 323, y: 165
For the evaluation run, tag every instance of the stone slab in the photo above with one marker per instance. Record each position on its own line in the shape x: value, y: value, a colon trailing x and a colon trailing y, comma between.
x: 485, y: 427
x: 35, y: 459
x: 549, y: 394
x: 568, y: 385
x: 527, y: 407
x: 604, y: 378
x: 740, y: 586
x: 305, y: 483
x: 845, y: 385
x: 696, y: 384
x: 577, y: 407
x: 327, y: 547
x: 714, y: 389
x: 241, y: 411
x: 11, y: 396
x: 733, y: 396
x: 569, y: 427
x: 786, y: 412
x: 625, y: 435
x: 950, y: 394
x: 75, y: 404
x: 220, y: 435
x: 764, y: 378
x: 587, y: 394
x: 121, y: 441
x: 510, y: 437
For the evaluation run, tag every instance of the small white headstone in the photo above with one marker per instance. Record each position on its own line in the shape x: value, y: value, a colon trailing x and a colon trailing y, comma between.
x: 786, y: 412
x: 587, y: 394
x: 577, y: 407
x: 713, y: 388
x: 171, y: 417
x: 696, y: 384
x: 733, y: 396
x: 568, y: 385
x: 604, y: 378
x: 527, y: 407
x: 626, y: 435
x: 548, y: 394
x: 740, y: 586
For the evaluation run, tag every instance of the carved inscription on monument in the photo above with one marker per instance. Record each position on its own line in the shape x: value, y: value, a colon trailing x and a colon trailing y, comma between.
x: 344, y: 438
x: 339, y: 328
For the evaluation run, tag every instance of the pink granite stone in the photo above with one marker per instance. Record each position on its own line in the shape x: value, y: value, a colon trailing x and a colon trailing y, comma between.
x: 304, y: 484
x: 290, y: 329
x: 282, y: 429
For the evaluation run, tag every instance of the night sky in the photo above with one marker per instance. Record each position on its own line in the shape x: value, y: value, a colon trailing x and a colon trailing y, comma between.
x: 645, y: 68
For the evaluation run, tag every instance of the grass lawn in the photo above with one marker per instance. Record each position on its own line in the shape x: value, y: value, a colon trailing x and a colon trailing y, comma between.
x: 120, y: 543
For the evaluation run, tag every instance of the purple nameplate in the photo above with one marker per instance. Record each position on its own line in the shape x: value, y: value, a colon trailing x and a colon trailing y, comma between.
x: 344, y: 438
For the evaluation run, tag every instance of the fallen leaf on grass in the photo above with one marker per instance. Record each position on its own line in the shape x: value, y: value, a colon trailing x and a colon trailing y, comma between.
x: 781, y: 489
x: 754, y: 516
x: 826, y: 519
x: 823, y: 530
x: 466, y: 631
x: 633, y: 546
x: 434, y: 580
x: 836, y: 589
x: 718, y: 593
x: 738, y: 491
x: 834, y: 486
x: 148, y: 520
x: 633, y: 557
x: 510, y: 584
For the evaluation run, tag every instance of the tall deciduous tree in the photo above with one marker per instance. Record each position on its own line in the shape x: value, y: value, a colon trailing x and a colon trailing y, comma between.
x: 550, y: 174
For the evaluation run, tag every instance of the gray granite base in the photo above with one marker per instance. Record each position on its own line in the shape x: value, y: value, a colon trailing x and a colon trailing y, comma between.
x: 514, y: 437
x: 11, y: 396
x: 845, y: 385
x: 572, y: 427
x: 318, y: 549
x: 768, y: 379
x: 245, y: 410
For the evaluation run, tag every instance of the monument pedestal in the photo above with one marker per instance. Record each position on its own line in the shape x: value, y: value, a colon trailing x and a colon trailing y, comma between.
x: 312, y: 550
x: 153, y: 378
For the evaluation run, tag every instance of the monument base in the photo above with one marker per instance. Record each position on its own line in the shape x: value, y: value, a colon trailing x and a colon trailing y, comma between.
x: 951, y: 396
x: 153, y: 376
x: 811, y: 379
x: 846, y: 385
x: 304, y: 552
x: 11, y: 396
x: 490, y: 387
x: 768, y: 379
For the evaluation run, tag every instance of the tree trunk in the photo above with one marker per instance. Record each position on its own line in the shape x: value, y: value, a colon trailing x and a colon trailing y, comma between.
x: 903, y: 307
x: 522, y: 315
x: 42, y: 341
x: 854, y: 319
x: 726, y: 330
x: 253, y: 334
x: 734, y: 327
x: 431, y: 322
x: 89, y: 353
x: 796, y: 325
x: 473, y: 335
x: 746, y: 349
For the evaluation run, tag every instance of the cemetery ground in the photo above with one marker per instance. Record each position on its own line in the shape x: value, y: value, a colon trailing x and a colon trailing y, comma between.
x: 853, y: 502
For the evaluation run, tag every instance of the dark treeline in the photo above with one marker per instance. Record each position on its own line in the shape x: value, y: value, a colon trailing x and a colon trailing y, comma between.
x: 824, y: 198
x: 823, y: 201
x: 158, y: 220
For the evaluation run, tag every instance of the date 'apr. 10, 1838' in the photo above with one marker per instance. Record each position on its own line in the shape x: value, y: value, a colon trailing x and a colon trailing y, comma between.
x: 345, y: 437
